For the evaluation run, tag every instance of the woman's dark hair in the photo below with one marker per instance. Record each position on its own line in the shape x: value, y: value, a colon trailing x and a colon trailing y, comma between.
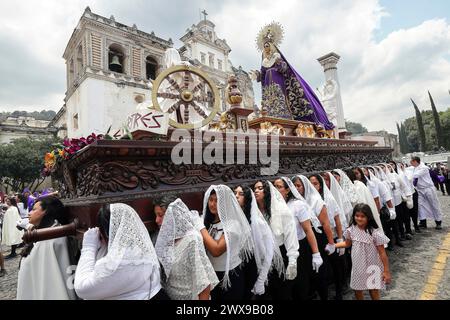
x: 23, y: 200
x: 247, y: 202
x: 417, y: 159
x: 103, y: 218
x: 54, y: 210
x: 335, y: 173
x: 164, y: 201
x: 209, y: 217
x: 267, y: 199
x: 351, y: 175
x: 365, y: 209
x: 361, y: 172
x: 294, y: 180
x: 13, y: 201
x: 394, y: 165
x: 320, y: 179
x: 286, y: 186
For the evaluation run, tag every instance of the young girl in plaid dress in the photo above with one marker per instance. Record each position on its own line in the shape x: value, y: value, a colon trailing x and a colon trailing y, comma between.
x: 370, y: 265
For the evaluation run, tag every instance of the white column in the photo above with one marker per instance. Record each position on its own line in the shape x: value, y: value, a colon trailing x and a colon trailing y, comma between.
x: 329, y: 64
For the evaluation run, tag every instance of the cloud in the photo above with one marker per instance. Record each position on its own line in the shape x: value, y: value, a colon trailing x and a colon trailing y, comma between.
x: 377, y: 77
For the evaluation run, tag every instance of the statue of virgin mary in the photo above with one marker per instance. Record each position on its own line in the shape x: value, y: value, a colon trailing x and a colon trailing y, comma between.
x: 284, y: 92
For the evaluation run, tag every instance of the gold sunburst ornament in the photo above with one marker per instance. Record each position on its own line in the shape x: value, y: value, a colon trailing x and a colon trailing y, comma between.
x: 272, y: 32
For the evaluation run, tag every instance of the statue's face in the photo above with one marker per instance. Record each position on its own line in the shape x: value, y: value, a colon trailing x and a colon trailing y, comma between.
x: 267, y: 48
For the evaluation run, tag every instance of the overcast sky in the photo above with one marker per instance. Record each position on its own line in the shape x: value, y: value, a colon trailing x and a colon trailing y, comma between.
x: 391, y: 50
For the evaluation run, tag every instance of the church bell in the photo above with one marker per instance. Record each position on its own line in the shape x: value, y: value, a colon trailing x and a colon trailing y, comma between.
x: 115, y: 64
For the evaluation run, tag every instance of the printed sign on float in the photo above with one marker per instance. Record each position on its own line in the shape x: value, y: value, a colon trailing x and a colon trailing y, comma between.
x: 148, y: 120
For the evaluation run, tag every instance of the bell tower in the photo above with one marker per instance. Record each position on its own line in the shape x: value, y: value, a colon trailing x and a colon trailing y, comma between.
x: 109, y: 69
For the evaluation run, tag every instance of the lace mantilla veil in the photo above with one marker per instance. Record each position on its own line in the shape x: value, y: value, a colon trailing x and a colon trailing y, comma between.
x: 348, y: 186
x: 233, y: 221
x: 129, y: 241
x: 178, y: 221
x: 262, y: 234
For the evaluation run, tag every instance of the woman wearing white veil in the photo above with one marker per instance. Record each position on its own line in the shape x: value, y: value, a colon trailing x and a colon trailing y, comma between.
x: 397, y: 188
x: 337, y: 221
x: 267, y: 255
x: 406, y: 193
x: 281, y: 220
x: 310, y: 260
x: 348, y: 187
x: 118, y: 260
x: 341, y: 198
x: 179, y: 247
x: 228, y: 241
x: 364, y: 195
x: 324, y: 235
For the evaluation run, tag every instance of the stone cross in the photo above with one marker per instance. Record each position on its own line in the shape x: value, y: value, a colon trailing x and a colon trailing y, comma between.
x: 204, y: 14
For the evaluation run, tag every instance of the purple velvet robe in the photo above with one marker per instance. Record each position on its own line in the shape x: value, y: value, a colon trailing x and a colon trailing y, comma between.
x: 287, y: 95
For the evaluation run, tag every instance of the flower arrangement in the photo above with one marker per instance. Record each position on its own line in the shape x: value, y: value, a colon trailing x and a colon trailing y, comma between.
x: 66, y: 151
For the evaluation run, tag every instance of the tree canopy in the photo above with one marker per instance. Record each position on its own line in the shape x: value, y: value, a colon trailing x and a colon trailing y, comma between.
x: 22, y: 161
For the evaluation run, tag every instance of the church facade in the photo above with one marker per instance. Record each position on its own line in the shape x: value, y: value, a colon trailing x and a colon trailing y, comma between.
x: 110, y: 67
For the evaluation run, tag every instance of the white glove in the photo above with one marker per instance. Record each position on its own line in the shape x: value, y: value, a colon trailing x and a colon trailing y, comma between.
x: 198, y: 221
x: 330, y: 248
x: 91, y: 239
x: 316, y: 261
x: 409, y: 202
x: 291, y: 270
x: 341, y: 251
x: 259, y: 288
x: 393, y: 213
x: 24, y: 224
x: 404, y: 198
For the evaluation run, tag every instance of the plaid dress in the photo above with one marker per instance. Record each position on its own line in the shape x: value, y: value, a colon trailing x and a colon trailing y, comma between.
x: 367, y: 267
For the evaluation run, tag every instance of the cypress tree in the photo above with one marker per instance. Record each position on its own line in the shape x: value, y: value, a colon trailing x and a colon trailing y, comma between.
x: 405, y: 138
x: 437, y: 122
x: 422, y: 138
x: 400, y: 139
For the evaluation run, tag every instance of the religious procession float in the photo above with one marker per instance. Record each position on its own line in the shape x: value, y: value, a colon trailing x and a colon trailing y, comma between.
x: 181, y: 143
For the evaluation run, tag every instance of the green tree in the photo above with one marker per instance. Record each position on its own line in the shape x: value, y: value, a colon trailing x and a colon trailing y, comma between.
x: 437, y: 122
x: 355, y: 128
x: 22, y: 161
x: 422, y: 138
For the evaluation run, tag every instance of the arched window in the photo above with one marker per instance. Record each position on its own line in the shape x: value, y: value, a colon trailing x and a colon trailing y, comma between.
x: 116, y: 58
x: 150, y: 68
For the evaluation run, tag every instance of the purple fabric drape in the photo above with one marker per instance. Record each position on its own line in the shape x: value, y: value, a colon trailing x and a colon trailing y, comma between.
x: 319, y: 116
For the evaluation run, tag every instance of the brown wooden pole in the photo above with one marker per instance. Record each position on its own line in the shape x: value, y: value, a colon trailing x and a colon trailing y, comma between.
x: 37, y: 235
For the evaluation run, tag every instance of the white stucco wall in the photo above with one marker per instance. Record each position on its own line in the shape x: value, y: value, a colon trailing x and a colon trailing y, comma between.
x: 99, y: 105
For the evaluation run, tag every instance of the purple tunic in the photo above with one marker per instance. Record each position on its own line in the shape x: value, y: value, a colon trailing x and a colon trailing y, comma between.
x: 286, y: 95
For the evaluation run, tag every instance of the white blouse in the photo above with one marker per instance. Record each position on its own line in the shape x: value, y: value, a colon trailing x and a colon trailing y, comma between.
x: 301, y: 214
x: 128, y: 282
x: 219, y: 263
x: 192, y: 271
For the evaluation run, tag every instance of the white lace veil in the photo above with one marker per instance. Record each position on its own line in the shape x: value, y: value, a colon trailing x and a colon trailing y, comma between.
x: 312, y: 196
x: 178, y: 221
x: 129, y: 242
x: 278, y: 209
x: 262, y: 236
x: 341, y: 199
x: 233, y: 221
x: 348, y: 186
x: 312, y: 217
